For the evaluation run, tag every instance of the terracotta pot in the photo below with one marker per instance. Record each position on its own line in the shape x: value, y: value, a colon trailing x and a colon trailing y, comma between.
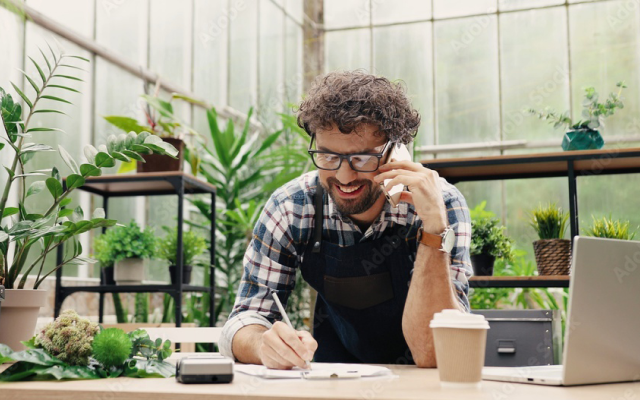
x: 160, y: 163
x: 130, y: 271
x: 20, y: 311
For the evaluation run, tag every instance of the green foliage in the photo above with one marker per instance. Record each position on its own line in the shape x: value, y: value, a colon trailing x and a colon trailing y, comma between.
x: 116, y: 355
x: 143, y: 346
x: 486, y: 236
x: 68, y: 338
x: 43, y: 231
x: 608, y: 228
x: 246, y: 168
x: 111, y: 347
x: 127, y: 241
x: 593, y: 112
x: 549, y: 222
x: 193, y: 245
x: 141, y: 308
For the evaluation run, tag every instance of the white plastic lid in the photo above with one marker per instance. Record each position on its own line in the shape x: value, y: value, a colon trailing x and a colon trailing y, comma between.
x: 456, y: 319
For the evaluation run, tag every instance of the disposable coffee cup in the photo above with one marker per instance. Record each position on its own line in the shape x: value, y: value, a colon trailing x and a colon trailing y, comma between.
x: 460, y: 341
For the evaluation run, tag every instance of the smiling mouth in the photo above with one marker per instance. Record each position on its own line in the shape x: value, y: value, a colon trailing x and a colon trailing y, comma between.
x: 350, y: 190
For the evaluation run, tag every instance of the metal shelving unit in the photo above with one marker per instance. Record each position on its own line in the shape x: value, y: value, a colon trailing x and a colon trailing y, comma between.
x: 570, y: 164
x: 147, y: 184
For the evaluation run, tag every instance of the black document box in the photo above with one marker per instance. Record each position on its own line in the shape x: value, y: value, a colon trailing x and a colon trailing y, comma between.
x: 519, y: 338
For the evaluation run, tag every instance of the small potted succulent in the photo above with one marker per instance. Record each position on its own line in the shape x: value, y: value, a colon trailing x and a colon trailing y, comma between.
x: 193, y: 246
x: 584, y: 134
x: 488, y: 241
x: 129, y: 247
x: 609, y: 228
x: 552, y: 251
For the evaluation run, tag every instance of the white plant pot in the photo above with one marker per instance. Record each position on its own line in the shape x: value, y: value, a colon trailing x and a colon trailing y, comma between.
x: 130, y: 271
x: 20, y: 310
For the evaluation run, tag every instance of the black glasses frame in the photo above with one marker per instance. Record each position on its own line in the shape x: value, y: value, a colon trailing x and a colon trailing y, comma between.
x: 346, y: 156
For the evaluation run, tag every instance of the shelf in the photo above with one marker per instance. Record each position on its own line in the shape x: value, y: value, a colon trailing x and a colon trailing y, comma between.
x: 67, y: 290
x: 539, y: 165
x: 145, y: 184
x: 481, y: 282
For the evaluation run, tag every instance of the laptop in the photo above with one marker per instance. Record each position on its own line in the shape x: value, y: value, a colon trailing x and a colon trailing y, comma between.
x: 602, y: 335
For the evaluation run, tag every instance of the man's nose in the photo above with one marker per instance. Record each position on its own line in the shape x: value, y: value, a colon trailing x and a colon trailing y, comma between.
x: 345, y: 174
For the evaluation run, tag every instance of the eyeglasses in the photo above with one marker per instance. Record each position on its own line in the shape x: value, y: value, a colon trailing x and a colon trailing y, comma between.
x: 361, y: 162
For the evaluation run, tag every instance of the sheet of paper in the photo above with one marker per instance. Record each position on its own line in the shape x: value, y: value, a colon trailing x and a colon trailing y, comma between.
x: 260, y: 370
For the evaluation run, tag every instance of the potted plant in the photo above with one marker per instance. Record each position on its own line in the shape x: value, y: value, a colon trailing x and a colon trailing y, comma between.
x: 608, y: 228
x: 128, y: 247
x: 553, y: 253
x: 162, y: 121
x: 584, y: 134
x: 193, y: 246
x: 102, y: 253
x: 488, y: 241
x: 28, y: 235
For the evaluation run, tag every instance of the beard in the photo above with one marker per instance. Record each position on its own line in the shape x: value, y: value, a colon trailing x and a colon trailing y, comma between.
x: 370, y: 194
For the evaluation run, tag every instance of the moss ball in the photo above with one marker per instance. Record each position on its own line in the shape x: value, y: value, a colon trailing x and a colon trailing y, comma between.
x: 111, y: 347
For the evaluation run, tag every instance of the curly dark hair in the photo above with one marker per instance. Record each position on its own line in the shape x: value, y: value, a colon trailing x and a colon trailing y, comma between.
x: 349, y: 99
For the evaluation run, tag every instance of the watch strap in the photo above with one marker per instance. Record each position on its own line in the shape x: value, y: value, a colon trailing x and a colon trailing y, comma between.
x: 431, y: 240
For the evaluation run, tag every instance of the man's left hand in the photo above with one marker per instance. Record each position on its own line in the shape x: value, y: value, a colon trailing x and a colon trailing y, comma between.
x: 425, y: 192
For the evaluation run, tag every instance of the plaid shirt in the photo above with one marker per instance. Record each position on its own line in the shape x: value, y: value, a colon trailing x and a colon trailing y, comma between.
x: 286, y: 226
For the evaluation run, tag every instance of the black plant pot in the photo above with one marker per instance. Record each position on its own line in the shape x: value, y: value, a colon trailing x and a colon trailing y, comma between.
x: 482, y: 264
x: 107, y: 275
x: 1, y: 296
x: 186, y: 274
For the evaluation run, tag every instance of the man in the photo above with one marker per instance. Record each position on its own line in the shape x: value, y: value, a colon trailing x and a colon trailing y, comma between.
x: 381, y: 272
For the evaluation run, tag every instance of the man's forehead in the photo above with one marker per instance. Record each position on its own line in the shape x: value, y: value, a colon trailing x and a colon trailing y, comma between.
x: 365, y: 137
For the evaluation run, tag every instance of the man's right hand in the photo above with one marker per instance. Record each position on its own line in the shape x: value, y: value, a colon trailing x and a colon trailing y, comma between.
x: 282, y: 347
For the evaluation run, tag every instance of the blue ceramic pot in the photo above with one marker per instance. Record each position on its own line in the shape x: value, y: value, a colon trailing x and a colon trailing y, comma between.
x: 582, y: 139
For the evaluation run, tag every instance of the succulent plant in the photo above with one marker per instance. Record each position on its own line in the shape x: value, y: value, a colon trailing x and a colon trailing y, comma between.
x: 69, y: 338
x: 111, y: 347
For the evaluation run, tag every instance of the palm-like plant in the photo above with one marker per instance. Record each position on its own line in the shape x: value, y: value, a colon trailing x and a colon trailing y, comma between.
x: 27, y: 230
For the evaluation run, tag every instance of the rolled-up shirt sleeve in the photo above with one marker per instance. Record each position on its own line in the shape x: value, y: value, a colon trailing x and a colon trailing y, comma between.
x: 460, y: 221
x: 270, y: 263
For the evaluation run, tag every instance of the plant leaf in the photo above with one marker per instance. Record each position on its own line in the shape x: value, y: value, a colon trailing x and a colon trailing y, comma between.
x: 74, y: 181
x: 66, y: 157
x: 54, y: 186
x: 42, y: 75
x: 49, y: 111
x: 104, y: 160
x: 126, y: 124
x: 65, y: 202
x: 35, y: 188
x: 33, y: 84
x: 24, y: 97
x: 45, y: 130
x: 65, y: 88
x: 55, y: 99
x: 45, y: 59
x: 89, y: 170
x: 10, y: 211
x: 78, y: 57
x: 65, y: 212
x: 68, y: 77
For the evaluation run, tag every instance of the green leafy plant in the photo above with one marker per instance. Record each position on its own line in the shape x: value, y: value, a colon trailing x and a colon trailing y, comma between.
x: 141, y: 308
x: 193, y: 245
x: 127, y: 241
x: 68, y: 338
x: 486, y: 236
x: 549, y: 222
x: 25, y: 230
x: 143, y: 346
x: 609, y: 228
x: 593, y: 111
x: 111, y: 347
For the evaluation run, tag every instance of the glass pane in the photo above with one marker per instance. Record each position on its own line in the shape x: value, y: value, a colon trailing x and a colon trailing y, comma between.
x: 507, y: 5
x: 411, y: 43
x: 347, y: 50
x: 243, y: 59
x: 293, y: 63
x: 460, y: 8
x: 604, y: 50
x: 527, y: 38
x: 346, y: 13
x: 271, y: 66
x: 389, y: 12
x: 77, y: 122
x: 295, y: 8
x: 211, y: 35
x: 12, y: 29
x: 466, y: 81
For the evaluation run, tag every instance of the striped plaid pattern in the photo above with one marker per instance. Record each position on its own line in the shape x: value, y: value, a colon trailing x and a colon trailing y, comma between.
x: 286, y: 226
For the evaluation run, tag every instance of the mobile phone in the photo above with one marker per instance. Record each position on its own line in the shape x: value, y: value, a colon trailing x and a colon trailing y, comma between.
x: 399, y: 152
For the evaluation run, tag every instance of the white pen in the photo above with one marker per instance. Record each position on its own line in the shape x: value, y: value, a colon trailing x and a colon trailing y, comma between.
x: 285, y: 317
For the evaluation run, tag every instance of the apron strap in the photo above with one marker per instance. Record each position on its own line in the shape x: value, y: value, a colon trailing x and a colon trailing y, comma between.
x: 319, y: 205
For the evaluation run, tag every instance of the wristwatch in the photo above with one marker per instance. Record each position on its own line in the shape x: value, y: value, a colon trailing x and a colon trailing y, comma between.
x: 443, y: 242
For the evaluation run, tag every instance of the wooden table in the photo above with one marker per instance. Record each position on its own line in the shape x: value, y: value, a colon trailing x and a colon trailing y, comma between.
x: 411, y: 383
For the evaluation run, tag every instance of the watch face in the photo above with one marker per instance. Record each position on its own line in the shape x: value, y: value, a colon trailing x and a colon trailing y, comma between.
x: 448, y: 240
